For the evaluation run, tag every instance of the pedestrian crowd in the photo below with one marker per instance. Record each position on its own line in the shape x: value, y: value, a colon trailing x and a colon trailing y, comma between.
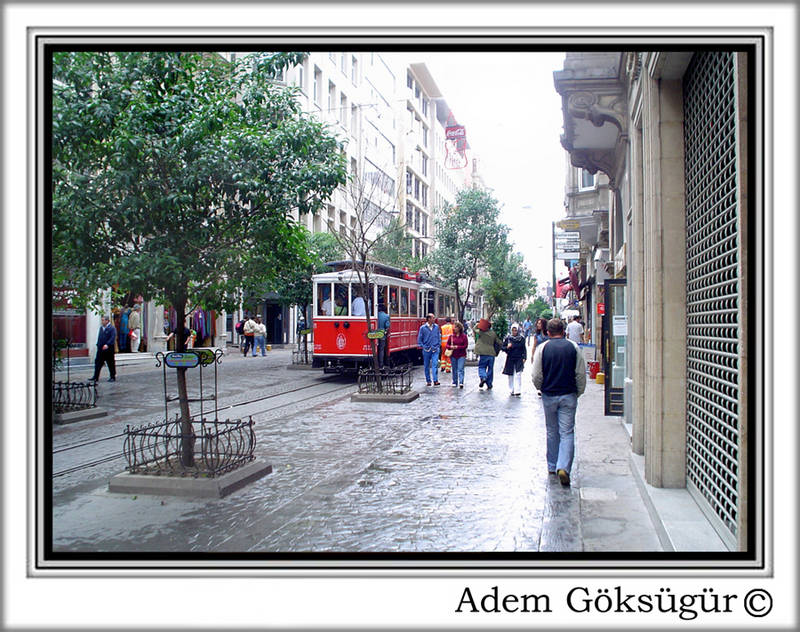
x: 559, y: 370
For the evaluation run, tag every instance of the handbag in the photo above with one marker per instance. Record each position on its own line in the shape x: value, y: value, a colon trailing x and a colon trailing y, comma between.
x: 448, y: 352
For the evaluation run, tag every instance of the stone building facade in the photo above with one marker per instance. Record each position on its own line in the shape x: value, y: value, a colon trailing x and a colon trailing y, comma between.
x: 670, y: 131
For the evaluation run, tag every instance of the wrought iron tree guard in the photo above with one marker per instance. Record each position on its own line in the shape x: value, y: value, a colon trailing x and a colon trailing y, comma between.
x: 393, y: 380
x: 70, y: 396
x: 219, y: 446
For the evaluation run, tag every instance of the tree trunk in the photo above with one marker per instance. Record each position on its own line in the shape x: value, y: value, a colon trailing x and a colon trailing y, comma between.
x: 187, y: 431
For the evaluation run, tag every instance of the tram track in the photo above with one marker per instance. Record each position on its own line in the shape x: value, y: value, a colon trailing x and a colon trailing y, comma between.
x: 196, y: 417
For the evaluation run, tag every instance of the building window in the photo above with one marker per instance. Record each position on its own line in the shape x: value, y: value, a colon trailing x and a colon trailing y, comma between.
x: 343, y: 111
x: 425, y: 106
x: 301, y: 77
x: 409, y: 183
x: 317, y: 86
x: 331, y: 96
x: 424, y: 250
x: 424, y: 136
x: 353, y: 167
x: 343, y: 64
x: 410, y: 80
x: 354, y: 120
x: 587, y: 180
x: 354, y: 70
x: 416, y: 188
x: 424, y: 223
x: 409, y: 214
x: 425, y: 195
x: 416, y: 221
x: 424, y: 165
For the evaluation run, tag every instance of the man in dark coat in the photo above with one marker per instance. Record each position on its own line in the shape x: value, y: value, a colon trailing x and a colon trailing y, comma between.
x: 105, y: 350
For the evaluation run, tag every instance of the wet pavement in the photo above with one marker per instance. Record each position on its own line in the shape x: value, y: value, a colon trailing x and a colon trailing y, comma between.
x: 453, y: 471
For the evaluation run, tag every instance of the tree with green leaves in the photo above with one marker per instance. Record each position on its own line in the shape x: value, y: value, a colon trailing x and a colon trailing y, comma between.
x: 176, y: 176
x: 540, y: 308
x: 468, y: 237
x: 508, y: 280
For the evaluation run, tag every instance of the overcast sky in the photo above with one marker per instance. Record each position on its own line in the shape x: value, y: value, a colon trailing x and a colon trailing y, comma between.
x: 513, y: 120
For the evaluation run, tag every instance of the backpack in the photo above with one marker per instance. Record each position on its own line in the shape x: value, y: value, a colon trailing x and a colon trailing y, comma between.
x: 240, y: 327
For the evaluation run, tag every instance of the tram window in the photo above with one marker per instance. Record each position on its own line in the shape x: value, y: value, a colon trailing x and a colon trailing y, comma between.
x: 340, y: 299
x: 324, y: 304
x: 430, y: 307
x: 404, y: 301
x: 383, y: 296
x: 413, y: 302
x: 358, y: 304
x: 449, y: 306
x: 393, y: 301
x: 440, y: 312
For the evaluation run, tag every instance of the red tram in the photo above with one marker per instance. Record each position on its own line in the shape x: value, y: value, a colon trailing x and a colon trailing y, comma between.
x: 340, y: 328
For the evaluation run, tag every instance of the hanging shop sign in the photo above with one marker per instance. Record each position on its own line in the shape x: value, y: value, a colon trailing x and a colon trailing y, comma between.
x: 569, y: 224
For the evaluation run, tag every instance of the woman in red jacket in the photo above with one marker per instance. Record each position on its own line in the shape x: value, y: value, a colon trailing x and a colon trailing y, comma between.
x: 458, y: 342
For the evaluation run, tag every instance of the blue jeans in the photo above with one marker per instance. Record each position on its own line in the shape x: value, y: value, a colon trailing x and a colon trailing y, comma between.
x: 458, y: 369
x: 486, y: 368
x: 431, y: 361
x: 258, y: 342
x: 559, y: 418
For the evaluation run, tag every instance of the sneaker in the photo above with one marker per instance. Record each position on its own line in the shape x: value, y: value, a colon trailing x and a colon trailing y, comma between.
x: 563, y: 477
x: 436, y: 383
x: 454, y: 385
x: 112, y: 379
x: 427, y: 384
x: 489, y: 386
x: 482, y: 383
x: 460, y: 386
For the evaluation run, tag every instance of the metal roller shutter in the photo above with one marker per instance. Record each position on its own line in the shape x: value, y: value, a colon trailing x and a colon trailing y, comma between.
x: 712, y: 286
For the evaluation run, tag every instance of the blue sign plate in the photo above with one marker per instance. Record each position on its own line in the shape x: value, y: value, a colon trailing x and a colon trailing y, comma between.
x: 177, y: 360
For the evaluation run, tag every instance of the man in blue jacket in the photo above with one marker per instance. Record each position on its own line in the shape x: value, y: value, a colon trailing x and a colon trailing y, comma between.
x: 105, y: 350
x: 430, y: 339
x: 559, y: 372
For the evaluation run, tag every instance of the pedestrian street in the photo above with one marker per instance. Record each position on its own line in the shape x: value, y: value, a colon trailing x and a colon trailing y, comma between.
x: 459, y: 471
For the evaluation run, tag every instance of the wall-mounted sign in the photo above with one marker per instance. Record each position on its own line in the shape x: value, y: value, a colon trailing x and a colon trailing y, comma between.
x: 569, y: 256
x: 569, y: 224
x: 620, y: 325
x: 601, y: 308
x: 182, y: 360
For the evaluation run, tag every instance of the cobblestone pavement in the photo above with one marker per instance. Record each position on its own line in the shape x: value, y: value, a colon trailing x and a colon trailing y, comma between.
x: 453, y: 471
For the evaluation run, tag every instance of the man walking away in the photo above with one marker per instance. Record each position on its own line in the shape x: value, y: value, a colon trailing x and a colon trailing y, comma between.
x: 105, y: 350
x: 430, y: 339
x: 487, y: 345
x: 559, y: 372
x: 575, y: 330
x: 250, y: 328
